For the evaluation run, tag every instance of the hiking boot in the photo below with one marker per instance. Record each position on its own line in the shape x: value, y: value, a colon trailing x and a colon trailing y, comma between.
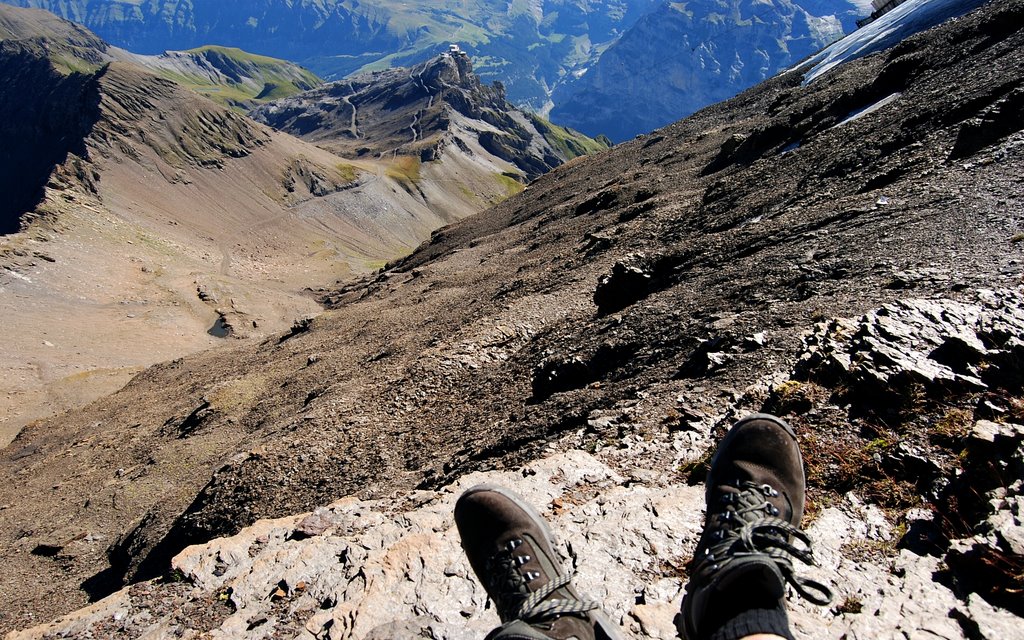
x: 755, y: 499
x: 512, y: 552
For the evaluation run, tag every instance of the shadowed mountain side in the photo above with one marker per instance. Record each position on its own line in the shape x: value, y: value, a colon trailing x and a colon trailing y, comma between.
x: 659, y: 287
x: 686, y: 55
x: 44, y: 116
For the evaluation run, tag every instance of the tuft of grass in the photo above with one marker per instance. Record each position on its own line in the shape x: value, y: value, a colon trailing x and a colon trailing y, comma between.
x: 851, y: 604
x: 695, y: 471
x: 405, y: 169
x: 235, y: 395
x: 347, y: 172
x: 837, y: 466
x: 954, y: 425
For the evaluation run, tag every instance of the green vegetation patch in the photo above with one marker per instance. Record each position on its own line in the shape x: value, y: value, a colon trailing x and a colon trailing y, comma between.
x: 253, y: 78
x: 347, y: 172
x: 570, y: 143
x: 510, y: 184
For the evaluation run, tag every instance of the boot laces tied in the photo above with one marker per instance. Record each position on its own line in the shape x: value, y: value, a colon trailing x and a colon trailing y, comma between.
x: 515, y: 601
x: 750, y: 525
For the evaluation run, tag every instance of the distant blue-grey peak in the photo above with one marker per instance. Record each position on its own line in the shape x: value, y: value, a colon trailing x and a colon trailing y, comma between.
x: 686, y: 55
x: 531, y: 46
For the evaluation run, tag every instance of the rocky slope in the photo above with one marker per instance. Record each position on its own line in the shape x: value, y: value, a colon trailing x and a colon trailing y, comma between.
x: 531, y: 46
x: 393, y: 567
x: 147, y: 210
x: 686, y: 55
x: 431, y: 111
x: 846, y: 253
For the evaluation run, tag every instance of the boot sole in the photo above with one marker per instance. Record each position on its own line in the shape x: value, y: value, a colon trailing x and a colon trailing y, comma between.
x: 767, y: 417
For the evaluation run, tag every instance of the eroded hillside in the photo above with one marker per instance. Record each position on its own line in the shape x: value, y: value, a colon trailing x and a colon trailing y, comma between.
x: 660, y: 286
x: 155, y: 222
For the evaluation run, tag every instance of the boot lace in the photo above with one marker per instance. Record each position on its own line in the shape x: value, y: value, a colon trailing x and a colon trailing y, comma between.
x: 749, y: 524
x: 512, y: 597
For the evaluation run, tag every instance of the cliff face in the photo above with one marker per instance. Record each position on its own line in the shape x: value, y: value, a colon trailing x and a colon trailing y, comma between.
x: 44, y: 118
x: 685, y: 56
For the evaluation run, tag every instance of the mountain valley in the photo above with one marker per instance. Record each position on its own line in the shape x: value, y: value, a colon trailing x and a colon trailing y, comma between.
x: 160, y: 223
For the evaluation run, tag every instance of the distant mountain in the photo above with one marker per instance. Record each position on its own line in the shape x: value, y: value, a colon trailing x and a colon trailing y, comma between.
x: 687, y: 55
x: 430, y: 110
x: 533, y: 46
x: 227, y: 75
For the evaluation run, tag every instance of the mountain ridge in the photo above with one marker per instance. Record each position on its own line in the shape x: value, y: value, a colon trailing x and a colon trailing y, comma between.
x: 545, y: 42
x: 421, y: 111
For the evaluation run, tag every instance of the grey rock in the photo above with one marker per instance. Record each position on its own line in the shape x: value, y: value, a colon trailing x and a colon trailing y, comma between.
x: 631, y: 279
x: 393, y: 567
x: 940, y: 344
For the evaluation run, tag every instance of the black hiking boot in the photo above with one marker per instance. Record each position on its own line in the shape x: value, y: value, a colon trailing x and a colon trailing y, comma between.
x: 755, y: 499
x: 512, y: 552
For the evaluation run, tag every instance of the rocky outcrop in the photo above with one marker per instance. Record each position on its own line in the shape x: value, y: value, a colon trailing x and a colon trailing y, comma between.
x: 943, y: 346
x: 425, y: 111
x: 393, y: 567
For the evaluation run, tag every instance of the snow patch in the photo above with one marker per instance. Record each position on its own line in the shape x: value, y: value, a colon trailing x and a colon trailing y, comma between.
x: 863, y: 111
x: 900, y: 23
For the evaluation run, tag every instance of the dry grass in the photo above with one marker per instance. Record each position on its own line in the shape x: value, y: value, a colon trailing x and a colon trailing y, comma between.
x: 347, y: 172
x: 405, y: 169
x: 954, y: 425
